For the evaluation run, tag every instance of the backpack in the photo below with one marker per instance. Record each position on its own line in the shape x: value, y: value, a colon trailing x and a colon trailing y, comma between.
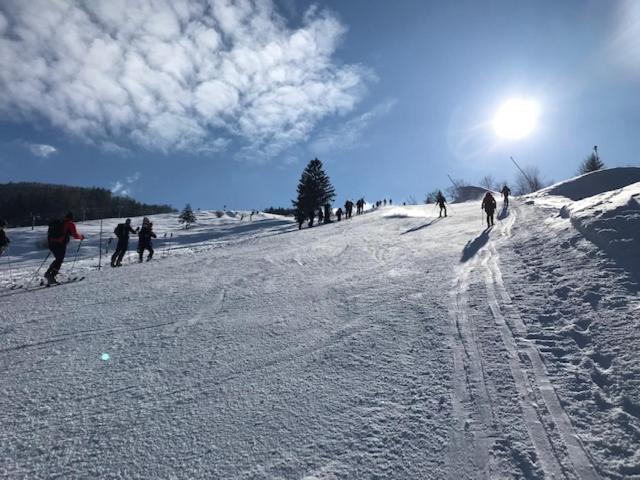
x: 55, y: 229
x: 121, y: 231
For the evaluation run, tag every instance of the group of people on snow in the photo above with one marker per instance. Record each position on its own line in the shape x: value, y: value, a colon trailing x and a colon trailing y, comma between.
x: 145, y: 234
x: 382, y: 203
x: 325, y: 213
x: 60, y: 232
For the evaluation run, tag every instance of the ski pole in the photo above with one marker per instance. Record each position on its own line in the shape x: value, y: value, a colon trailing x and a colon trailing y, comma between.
x: 35, y: 275
x: 8, y: 253
x: 100, y: 248
x: 76, y: 257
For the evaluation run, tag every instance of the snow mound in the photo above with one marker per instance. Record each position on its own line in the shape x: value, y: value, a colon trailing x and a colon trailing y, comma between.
x: 469, y: 192
x: 594, y: 183
x: 408, y: 211
x: 611, y: 220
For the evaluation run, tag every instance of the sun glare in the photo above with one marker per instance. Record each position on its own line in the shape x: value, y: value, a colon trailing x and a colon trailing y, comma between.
x: 516, y: 118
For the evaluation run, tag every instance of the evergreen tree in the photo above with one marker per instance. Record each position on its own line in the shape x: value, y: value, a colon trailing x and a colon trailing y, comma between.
x: 591, y: 164
x: 187, y: 216
x: 314, y: 189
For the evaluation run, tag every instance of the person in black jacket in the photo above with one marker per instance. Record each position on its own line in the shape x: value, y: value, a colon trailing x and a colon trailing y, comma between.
x: 122, y: 231
x: 441, y: 202
x: 144, y: 240
x: 505, y: 194
x: 489, y: 206
x: 4, y: 240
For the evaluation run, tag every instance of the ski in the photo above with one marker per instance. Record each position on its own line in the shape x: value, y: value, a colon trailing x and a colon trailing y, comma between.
x: 44, y: 284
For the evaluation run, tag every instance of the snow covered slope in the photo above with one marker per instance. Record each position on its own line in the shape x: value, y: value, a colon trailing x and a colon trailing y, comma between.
x: 393, y: 345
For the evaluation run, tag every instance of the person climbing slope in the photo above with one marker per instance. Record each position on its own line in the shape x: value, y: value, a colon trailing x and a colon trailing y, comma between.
x: 122, y: 231
x: 441, y: 201
x: 489, y: 206
x: 4, y: 240
x: 58, y: 236
x: 505, y: 195
x: 144, y: 239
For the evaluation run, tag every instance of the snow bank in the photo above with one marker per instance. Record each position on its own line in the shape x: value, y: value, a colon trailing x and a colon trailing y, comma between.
x: 604, y: 206
x: 410, y: 211
x: 594, y: 183
x: 611, y: 220
x: 468, y: 193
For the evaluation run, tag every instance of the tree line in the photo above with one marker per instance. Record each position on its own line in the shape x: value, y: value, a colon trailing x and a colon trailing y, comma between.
x: 23, y: 204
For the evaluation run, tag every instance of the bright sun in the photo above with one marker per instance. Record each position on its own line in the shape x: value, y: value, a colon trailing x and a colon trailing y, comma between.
x: 516, y: 118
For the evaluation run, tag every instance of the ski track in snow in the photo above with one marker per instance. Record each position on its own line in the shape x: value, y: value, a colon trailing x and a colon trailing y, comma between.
x: 333, y: 352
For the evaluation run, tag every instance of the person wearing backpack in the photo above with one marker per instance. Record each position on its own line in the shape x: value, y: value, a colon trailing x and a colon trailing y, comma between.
x: 4, y: 240
x: 144, y: 239
x: 58, y: 236
x: 441, y: 201
x: 489, y: 206
x: 505, y: 194
x: 122, y: 231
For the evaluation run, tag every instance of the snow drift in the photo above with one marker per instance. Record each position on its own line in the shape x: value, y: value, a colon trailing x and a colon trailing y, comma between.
x: 469, y: 192
x: 604, y: 206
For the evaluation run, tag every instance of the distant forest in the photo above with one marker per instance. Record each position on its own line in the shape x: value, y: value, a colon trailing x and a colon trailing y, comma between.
x: 23, y: 203
x: 280, y: 211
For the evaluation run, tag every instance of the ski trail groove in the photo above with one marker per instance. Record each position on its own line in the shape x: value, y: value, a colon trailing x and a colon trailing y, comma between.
x: 544, y: 448
x: 578, y: 455
x: 468, y: 372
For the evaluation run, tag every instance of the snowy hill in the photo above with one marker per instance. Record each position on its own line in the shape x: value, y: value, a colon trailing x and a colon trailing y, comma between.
x: 393, y: 345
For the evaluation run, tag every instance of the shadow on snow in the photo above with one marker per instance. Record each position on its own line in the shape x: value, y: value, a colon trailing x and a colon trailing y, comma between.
x: 473, y: 246
x: 420, y: 227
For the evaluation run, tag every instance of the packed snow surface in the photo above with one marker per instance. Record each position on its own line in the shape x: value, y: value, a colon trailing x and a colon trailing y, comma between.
x: 392, y: 345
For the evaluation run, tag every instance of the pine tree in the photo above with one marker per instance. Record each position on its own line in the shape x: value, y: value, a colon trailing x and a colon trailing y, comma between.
x: 314, y: 189
x: 187, y: 216
x: 591, y: 164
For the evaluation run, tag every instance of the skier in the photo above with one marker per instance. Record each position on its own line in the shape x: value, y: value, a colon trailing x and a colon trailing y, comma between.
x: 384, y: 202
x: 440, y: 201
x: 311, y: 215
x: 122, y: 231
x: 505, y: 194
x: 4, y: 240
x: 327, y: 213
x: 339, y: 214
x: 359, y: 206
x: 58, y: 236
x: 348, y: 208
x: 489, y: 206
x: 320, y: 216
x: 390, y: 202
x: 300, y: 218
x: 144, y: 239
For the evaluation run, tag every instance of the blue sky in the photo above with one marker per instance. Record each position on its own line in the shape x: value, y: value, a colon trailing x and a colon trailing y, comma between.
x: 223, y: 103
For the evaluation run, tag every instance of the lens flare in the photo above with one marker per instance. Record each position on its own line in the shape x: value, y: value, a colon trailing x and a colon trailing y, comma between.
x: 516, y: 118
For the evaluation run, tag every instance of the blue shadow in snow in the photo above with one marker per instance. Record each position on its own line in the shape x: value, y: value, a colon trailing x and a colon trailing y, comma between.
x: 504, y: 213
x: 420, y: 227
x: 473, y: 246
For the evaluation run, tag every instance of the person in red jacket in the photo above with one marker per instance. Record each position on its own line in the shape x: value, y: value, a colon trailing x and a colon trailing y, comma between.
x: 60, y: 232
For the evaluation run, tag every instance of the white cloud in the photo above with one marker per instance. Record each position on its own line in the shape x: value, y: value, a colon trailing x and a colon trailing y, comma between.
x: 119, y: 188
x: 349, y: 135
x: 124, y: 187
x: 172, y: 74
x: 41, y: 150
